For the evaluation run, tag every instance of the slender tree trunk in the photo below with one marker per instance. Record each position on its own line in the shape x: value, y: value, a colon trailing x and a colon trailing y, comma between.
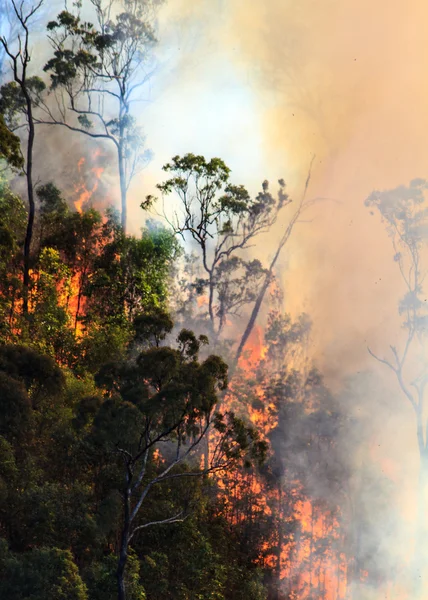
x: 31, y: 205
x: 122, y: 178
x: 123, y: 552
x: 419, y: 571
x: 211, y: 301
x: 79, y: 298
x: 280, y: 542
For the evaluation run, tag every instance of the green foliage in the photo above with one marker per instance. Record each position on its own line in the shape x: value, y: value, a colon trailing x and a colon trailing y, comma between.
x: 100, y: 578
x: 10, y: 146
x: 50, y: 327
x: 90, y: 280
x: 15, y: 408
x: 39, y: 374
x: 12, y: 232
x: 131, y: 274
x: 101, y: 374
x: 153, y: 326
x: 12, y: 100
x: 40, y: 574
x: 94, y: 48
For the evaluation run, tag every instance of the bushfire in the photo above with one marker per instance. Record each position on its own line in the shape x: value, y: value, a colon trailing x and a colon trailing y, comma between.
x: 88, y: 180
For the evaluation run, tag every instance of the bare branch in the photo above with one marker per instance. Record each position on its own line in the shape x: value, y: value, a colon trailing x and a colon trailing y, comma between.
x: 175, y: 519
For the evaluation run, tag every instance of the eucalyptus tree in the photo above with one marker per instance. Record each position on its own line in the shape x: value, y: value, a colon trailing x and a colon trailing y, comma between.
x: 404, y: 211
x: 97, y: 71
x: 224, y: 222
x: 18, y: 100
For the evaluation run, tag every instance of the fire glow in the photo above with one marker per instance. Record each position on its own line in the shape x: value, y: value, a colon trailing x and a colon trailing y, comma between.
x: 85, y: 190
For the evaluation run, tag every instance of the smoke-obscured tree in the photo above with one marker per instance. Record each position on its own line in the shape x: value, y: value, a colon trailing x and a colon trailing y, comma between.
x: 18, y: 101
x: 166, y: 399
x: 404, y: 211
x: 405, y: 215
x: 97, y: 72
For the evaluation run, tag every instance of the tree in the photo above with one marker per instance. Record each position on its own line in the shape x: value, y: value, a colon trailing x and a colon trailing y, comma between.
x: 40, y: 574
x: 131, y: 273
x: 166, y: 399
x: 51, y: 326
x: 96, y: 74
x: 18, y: 99
x: 405, y: 214
x: 224, y: 221
x: 78, y: 237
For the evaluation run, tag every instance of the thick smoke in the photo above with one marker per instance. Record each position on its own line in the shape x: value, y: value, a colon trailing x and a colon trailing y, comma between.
x: 344, y: 81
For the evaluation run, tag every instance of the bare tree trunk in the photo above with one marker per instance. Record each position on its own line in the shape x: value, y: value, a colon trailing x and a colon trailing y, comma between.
x: 31, y: 204
x: 280, y: 542
x: 124, y: 542
x: 419, y: 571
x: 123, y: 190
x: 253, y: 317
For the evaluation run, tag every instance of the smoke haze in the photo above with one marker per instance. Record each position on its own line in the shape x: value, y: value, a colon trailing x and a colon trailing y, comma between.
x: 267, y: 86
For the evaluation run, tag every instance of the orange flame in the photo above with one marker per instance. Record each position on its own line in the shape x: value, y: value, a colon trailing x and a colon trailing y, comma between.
x: 84, y: 193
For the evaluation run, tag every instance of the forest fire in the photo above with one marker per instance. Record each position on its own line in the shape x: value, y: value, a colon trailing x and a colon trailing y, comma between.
x: 221, y: 394
x: 88, y: 180
x: 306, y: 545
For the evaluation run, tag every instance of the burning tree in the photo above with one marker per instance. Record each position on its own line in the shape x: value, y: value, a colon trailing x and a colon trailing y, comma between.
x: 97, y: 71
x: 301, y: 487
